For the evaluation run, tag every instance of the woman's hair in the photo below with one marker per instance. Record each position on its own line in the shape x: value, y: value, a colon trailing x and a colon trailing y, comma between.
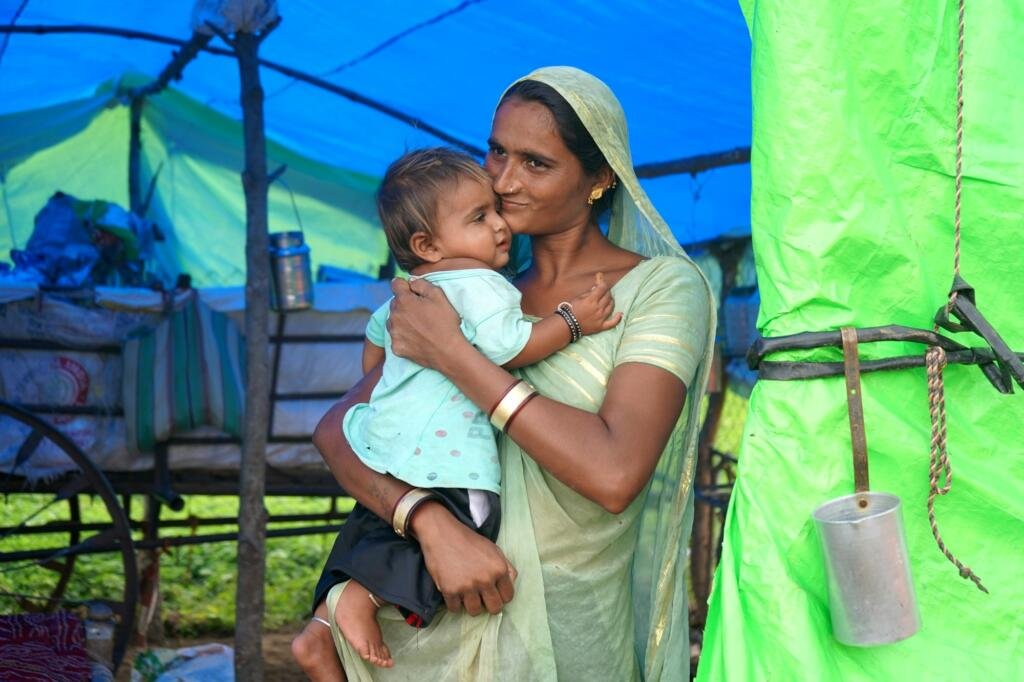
x: 574, y: 134
x: 408, y: 197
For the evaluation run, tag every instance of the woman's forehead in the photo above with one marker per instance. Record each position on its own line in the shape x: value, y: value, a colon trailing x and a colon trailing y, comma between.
x: 527, y: 124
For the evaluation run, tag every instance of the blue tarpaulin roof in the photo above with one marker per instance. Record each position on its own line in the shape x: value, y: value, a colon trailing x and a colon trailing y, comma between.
x: 681, y: 70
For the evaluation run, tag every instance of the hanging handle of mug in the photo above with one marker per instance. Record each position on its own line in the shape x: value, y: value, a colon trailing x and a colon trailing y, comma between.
x: 855, y: 407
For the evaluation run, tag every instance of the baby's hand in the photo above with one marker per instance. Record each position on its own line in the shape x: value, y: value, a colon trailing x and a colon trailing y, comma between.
x: 594, y: 308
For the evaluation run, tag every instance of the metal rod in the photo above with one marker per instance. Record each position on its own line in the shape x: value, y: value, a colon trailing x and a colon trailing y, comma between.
x: 40, y: 345
x: 88, y: 410
x: 275, y: 366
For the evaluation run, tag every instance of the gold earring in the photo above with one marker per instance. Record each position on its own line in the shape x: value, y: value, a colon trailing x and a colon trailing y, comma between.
x: 595, y: 195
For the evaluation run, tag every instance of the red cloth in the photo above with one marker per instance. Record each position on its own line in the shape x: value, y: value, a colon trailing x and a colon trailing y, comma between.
x: 43, y: 647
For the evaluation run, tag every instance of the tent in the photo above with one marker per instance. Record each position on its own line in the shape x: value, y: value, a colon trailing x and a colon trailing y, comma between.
x: 853, y: 211
x: 680, y: 70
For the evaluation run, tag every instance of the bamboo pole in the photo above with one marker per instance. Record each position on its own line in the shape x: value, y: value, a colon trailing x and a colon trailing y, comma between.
x: 135, y: 155
x: 252, y: 515
x: 352, y: 95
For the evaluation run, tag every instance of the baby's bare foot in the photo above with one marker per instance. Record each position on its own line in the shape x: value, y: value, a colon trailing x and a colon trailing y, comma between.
x: 356, y: 615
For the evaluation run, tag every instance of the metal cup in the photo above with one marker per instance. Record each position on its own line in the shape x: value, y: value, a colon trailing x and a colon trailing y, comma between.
x: 871, y: 595
x: 291, y: 272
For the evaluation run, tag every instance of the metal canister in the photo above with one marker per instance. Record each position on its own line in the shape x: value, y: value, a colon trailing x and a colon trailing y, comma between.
x: 871, y: 594
x: 291, y: 273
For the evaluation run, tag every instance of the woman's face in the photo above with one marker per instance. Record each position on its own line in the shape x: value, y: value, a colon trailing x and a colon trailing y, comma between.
x: 542, y: 185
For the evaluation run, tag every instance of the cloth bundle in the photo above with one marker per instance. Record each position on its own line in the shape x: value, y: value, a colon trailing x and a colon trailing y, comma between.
x: 186, y: 372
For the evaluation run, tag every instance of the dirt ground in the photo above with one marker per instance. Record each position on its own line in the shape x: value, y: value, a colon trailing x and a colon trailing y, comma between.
x: 277, y: 656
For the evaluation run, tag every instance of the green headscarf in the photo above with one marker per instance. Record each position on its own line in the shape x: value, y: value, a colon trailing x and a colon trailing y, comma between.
x: 659, y: 591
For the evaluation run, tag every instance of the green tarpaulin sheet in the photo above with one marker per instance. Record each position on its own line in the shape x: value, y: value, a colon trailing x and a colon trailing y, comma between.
x: 81, y: 148
x: 852, y: 215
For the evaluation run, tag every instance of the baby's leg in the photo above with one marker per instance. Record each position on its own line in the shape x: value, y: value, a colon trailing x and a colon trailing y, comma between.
x: 356, y: 615
x: 314, y: 650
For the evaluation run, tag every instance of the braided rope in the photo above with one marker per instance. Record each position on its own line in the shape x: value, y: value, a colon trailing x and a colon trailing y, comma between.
x: 935, y: 357
x: 940, y: 471
x: 958, y: 175
x: 958, y: 180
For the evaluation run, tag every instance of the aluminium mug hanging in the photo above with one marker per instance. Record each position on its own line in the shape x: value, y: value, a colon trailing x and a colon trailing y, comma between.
x: 871, y: 594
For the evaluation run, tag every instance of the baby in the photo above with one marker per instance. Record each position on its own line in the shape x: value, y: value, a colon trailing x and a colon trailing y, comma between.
x: 443, y: 224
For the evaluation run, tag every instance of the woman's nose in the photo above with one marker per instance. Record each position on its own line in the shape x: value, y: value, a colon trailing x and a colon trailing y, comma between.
x: 504, y: 178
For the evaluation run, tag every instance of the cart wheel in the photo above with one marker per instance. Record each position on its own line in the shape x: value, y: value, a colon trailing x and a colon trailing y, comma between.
x: 61, y: 513
x: 62, y: 568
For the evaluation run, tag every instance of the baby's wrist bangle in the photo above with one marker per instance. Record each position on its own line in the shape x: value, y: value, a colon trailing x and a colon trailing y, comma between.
x: 564, y: 310
x: 406, y: 505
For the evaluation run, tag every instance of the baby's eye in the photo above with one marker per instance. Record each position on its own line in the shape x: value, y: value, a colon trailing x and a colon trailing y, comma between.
x: 479, y: 217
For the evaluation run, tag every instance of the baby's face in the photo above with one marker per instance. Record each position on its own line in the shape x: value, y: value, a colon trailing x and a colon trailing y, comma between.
x: 469, y: 225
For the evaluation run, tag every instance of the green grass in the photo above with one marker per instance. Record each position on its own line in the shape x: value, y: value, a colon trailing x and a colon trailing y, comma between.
x: 198, y: 581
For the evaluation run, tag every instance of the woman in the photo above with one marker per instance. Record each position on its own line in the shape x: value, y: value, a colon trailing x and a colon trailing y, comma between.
x: 586, y: 580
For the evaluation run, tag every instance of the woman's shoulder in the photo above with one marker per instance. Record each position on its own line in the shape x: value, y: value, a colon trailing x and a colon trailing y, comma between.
x: 676, y: 273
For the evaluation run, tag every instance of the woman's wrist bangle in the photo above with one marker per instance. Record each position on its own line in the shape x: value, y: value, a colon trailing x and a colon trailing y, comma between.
x: 406, y: 505
x: 564, y: 310
x: 501, y: 397
x: 513, y: 401
x: 508, y: 422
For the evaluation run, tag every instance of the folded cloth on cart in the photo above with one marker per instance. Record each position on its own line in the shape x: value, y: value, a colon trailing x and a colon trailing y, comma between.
x: 134, y: 299
x: 184, y: 373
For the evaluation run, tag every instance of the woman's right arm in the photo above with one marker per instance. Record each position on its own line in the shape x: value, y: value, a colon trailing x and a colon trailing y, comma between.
x: 469, y: 570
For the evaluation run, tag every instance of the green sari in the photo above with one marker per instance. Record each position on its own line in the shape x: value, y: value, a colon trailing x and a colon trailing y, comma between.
x: 599, y: 595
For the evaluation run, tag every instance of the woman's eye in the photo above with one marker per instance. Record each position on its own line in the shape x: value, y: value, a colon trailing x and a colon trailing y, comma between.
x: 536, y: 163
x: 496, y: 150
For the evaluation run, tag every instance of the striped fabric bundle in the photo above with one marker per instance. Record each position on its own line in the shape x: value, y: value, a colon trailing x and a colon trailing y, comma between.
x: 185, y: 372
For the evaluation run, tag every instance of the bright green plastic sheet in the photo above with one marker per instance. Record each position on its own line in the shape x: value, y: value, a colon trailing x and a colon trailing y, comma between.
x: 81, y: 148
x: 852, y: 214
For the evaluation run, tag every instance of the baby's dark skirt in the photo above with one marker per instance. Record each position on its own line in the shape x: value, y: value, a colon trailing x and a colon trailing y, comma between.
x: 370, y: 552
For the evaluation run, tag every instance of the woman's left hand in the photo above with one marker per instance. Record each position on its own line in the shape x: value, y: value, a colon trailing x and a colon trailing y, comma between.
x: 424, y: 326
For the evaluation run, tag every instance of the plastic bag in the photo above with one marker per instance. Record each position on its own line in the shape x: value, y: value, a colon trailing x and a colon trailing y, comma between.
x: 204, y: 663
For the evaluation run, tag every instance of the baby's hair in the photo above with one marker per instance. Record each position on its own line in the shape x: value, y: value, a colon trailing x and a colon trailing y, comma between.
x: 408, y: 197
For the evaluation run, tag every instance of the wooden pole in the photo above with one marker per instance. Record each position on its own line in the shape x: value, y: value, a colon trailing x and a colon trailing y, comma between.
x: 135, y: 155
x: 692, y: 165
x: 137, y: 99
x: 252, y: 515
x: 702, y: 558
x: 309, y: 79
